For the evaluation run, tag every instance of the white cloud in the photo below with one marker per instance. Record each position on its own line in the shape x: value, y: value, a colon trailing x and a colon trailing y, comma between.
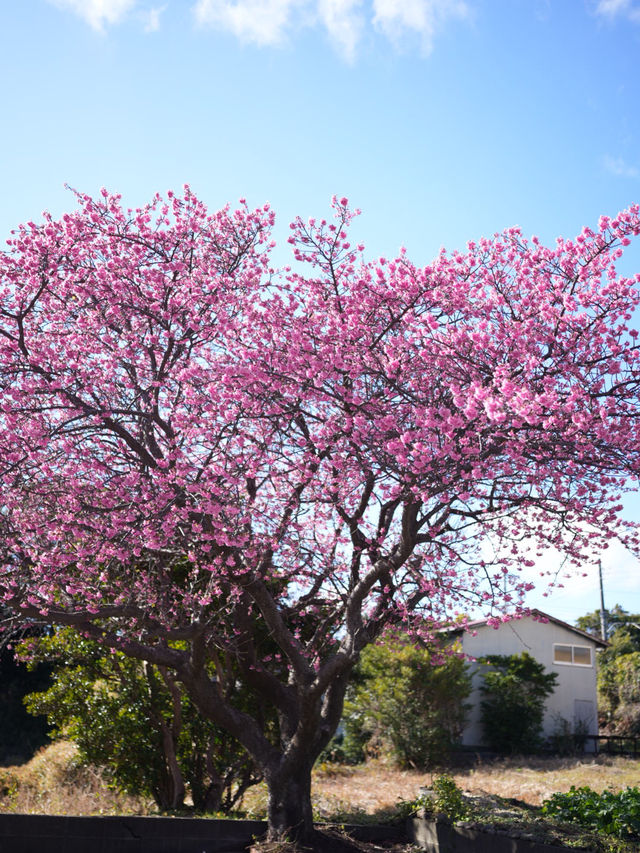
x: 151, y: 18
x: 262, y: 22
x: 396, y: 18
x: 618, y: 167
x: 574, y: 595
x: 611, y: 7
x: 619, y: 8
x: 97, y: 13
x: 269, y: 22
x: 343, y: 23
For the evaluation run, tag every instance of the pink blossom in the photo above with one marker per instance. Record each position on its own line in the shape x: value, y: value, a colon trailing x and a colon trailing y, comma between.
x: 202, y: 458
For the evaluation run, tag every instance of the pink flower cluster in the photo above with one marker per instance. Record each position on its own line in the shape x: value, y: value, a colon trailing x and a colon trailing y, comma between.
x: 181, y: 427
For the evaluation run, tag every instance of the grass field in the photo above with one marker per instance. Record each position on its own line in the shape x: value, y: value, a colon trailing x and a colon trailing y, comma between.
x: 375, y: 788
x: 51, y: 783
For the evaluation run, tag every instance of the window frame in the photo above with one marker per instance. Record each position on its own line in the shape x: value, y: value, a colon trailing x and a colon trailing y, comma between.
x: 573, y: 662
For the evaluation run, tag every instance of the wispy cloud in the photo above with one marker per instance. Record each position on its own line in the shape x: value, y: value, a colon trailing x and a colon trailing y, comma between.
x: 621, y: 169
x: 273, y: 22
x: 344, y: 23
x: 269, y: 22
x: 151, y: 18
x: 398, y: 18
x: 100, y: 14
x: 619, y: 9
x: 263, y: 22
x: 97, y: 13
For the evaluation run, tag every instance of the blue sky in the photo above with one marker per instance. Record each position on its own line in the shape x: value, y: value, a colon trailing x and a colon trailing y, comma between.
x: 443, y: 120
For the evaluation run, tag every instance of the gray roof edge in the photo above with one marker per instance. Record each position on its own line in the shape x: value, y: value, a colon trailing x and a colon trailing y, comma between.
x: 539, y: 616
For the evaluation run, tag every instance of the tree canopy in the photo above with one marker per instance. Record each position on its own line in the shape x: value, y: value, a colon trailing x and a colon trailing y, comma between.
x: 618, y: 670
x: 617, y: 620
x: 204, y: 459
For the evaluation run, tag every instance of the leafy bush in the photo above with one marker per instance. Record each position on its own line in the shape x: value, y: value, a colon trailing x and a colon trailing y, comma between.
x: 405, y: 700
x: 445, y: 798
x: 21, y: 734
x: 619, y: 691
x: 515, y: 688
x: 568, y: 738
x: 448, y: 799
x: 618, y: 670
x: 135, y: 719
x: 616, y: 814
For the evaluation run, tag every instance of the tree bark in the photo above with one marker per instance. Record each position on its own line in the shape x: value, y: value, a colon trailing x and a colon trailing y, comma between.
x: 289, y: 810
x: 175, y: 780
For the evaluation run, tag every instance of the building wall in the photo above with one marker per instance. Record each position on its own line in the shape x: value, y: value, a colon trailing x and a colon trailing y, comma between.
x: 574, y: 697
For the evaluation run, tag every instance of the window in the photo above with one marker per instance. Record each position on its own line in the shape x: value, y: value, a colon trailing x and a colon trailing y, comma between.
x: 562, y: 654
x: 582, y: 655
x: 576, y: 655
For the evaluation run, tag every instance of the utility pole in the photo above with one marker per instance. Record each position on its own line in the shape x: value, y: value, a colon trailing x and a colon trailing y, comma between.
x: 603, y: 621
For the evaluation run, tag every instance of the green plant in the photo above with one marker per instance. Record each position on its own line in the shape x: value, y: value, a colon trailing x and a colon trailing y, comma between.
x: 406, y: 700
x: 614, y: 813
x: 348, y: 745
x: 448, y: 799
x: 515, y: 689
x: 8, y: 785
x: 445, y: 798
x: 21, y: 734
x: 619, y: 690
x: 619, y: 625
x: 618, y: 670
x: 568, y: 738
x: 135, y: 719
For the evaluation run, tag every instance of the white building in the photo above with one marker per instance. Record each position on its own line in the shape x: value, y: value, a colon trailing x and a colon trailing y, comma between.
x: 560, y: 648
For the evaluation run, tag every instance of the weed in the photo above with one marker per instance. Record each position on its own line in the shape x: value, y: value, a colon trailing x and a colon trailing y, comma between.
x: 443, y: 798
x: 616, y: 814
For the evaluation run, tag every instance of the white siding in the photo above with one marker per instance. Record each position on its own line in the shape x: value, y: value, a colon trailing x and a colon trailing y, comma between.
x: 576, y: 685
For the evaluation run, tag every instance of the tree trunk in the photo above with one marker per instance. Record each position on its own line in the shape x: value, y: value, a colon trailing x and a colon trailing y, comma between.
x: 175, y: 779
x: 289, y: 812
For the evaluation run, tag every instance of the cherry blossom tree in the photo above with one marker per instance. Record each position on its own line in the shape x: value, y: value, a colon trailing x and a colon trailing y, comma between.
x: 246, y: 475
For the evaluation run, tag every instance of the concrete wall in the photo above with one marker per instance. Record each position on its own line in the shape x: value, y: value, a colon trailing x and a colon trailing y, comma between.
x: 442, y: 837
x: 575, y: 695
x: 57, y: 834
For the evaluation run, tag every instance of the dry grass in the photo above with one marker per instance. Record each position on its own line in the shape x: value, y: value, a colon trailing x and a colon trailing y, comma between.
x: 52, y: 783
x: 375, y: 788
x: 534, y: 780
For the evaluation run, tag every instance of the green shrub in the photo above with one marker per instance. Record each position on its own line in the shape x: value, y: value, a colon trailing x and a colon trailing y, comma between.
x: 515, y: 688
x: 405, y: 701
x: 616, y: 814
x: 446, y: 799
x: 618, y: 670
x: 135, y: 720
x: 21, y: 734
x: 619, y: 691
